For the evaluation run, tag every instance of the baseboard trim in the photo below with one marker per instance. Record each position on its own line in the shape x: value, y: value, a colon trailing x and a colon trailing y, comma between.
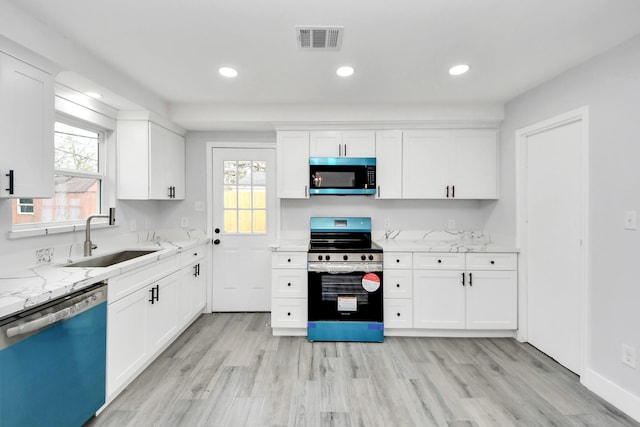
x: 622, y: 399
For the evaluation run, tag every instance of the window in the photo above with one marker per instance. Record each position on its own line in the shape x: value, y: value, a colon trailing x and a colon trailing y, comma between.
x: 78, y: 179
x: 245, y: 203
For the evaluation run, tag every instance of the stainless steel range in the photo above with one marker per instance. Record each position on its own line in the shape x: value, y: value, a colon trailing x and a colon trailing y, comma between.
x: 345, y: 281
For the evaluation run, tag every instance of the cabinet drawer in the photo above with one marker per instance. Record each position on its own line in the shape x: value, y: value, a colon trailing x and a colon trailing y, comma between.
x: 496, y: 261
x: 121, y: 286
x: 438, y: 261
x: 398, y: 284
x: 395, y: 260
x: 288, y: 313
x: 398, y: 313
x: 193, y: 255
x: 289, y: 260
x: 289, y: 283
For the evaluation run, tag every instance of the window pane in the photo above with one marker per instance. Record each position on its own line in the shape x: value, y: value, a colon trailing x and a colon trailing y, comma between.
x: 258, y: 175
x: 259, y: 221
x: 244, y: 221
x: 230, y: 198
x: 259, y: 197
x: 75, y: 149
x: 74, y: 199
x: 244, y: 197
x: 230, y: 221
x: 230, y: 172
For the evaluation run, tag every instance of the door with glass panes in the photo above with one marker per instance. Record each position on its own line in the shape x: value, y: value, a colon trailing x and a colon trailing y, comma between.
x: 243, y: 228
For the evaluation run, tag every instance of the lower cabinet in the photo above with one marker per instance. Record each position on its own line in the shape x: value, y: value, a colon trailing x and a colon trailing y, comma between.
x: 289, y: 293
x: 147, y: 309
x: 483, y: 294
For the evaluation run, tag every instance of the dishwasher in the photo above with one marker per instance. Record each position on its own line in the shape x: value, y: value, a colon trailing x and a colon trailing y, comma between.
x: 53, y: 361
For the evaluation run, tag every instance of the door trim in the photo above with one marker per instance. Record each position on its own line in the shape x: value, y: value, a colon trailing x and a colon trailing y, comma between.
x: 578, y: 115
x: 209, y: 155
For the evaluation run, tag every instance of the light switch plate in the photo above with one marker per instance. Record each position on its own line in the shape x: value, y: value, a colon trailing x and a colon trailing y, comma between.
x: 630, y: 220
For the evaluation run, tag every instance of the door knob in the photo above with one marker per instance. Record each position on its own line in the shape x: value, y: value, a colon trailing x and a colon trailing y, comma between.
x: 217, y: 231
x: 216, y: 242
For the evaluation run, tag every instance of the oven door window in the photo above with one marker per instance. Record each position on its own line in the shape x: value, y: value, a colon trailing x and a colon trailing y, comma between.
x: 344, y: 297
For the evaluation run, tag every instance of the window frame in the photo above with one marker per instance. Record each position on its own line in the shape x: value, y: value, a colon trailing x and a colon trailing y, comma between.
x: 101, y: 175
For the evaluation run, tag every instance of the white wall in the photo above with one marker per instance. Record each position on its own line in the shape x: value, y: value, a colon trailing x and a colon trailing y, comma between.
x: 610, y: 85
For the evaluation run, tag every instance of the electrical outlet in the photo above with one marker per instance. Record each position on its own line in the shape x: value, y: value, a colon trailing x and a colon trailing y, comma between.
x: 628, y: 355
x: 630, y: 220
x: 198, y: 206
x: 184, y: 221
x: 451, y: 224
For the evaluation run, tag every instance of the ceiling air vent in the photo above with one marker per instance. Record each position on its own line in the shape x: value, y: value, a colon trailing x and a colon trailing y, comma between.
x: 319, y: 37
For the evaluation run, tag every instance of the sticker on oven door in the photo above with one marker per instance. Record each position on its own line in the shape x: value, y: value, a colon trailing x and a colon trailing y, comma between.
x: 371, y: 282
x: 347, y: 303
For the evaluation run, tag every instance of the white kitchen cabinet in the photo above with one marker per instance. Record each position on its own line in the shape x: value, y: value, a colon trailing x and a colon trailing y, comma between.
x: 26, y: 130
x: 398, y: 291
x: 162, y: 311
x: 289, y: 293
x: 389, y: 164
x: 355, y: 143
x: 193, y: 292
x: 151, y: 161
x: 450, y: 164
x: 292, y: 151
x: 458, y: 291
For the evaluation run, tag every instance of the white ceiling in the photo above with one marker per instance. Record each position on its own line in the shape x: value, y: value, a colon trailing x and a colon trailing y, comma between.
x: 401, y: 49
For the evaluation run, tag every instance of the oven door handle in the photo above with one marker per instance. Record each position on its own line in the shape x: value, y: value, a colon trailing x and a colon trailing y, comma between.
x: 343, y: 267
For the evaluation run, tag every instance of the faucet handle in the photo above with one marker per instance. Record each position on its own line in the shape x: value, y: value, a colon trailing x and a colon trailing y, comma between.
x: 94, y: 246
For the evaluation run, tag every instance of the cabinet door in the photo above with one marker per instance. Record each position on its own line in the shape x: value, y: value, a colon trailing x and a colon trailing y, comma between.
x: 126, y: 338
x: 26, y: 129
x: 292, y: 176
x: 163, y: 312
x: 389, y: 164
x: 175, y: 164
x: 492, y: 300
x: 325, y: 144
x: 474, y: 168
x: 438, y: 299
x: 426, y: 156
x: 359, y: 143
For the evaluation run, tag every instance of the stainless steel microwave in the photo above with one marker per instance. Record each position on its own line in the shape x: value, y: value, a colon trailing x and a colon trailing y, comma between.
x: 342, y: 175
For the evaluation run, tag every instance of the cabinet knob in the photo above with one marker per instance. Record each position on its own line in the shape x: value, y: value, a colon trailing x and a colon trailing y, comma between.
x: 397, y: 285
x: 398, y: 314
x: 397, y: 260
x: 289, y: 314
x: 492, y: 262
x: 439, y: 261
x: 289, y: 260
x: 289, y: 284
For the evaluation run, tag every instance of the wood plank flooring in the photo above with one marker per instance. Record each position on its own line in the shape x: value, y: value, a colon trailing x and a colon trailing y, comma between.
x: 228, y: 370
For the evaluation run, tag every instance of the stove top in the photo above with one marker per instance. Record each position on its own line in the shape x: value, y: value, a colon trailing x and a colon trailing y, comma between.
x: 342, y: 239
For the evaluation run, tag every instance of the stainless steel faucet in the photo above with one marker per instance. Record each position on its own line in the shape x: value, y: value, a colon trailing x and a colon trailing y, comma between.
x: 88, y: 246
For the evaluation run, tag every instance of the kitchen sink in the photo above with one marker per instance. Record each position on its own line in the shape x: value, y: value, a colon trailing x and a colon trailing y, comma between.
x: 110, y: 259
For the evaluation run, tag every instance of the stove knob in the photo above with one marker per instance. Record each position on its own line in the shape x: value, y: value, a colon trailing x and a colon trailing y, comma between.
x: 319, y: 257
x: 363, y: 257
x: 345, y: 257
x: 327, y: 258
x: 370, y: 257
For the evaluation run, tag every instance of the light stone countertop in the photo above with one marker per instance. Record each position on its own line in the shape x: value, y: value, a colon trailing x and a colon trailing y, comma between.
x: 29, y: 287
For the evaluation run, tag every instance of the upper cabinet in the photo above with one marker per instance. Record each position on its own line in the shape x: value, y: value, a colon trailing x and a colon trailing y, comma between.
x: 450, y: 164
x: 151, y: 162
x: 292, y: 150
x: 389, y: 164
x: 26, y: 130
x: 342, y: 144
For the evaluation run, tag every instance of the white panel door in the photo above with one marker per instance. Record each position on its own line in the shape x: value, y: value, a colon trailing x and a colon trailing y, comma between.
x: 554, y: 213
x: 359, y: 143
x: 243, y: 227
x: 292, y: 149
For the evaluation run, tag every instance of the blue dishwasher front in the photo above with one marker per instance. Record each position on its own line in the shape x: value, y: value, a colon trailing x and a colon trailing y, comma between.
x: 53, y: 362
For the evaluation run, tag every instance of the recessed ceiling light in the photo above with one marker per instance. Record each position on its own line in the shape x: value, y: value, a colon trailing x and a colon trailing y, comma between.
x: 344, y: 71
x: 458, y: 69
x: 228, y: 72
x: 94, y: 95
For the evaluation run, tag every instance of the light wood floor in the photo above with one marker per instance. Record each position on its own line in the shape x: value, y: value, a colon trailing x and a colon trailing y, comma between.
x: 227, y: 370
